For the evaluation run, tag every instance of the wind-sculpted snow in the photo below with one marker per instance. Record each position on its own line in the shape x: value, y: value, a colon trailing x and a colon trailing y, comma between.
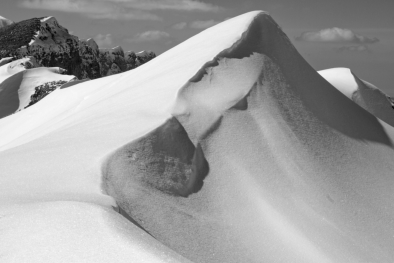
x: 19, y: 82
x: 236, y: 152
x: 165, y: 160
x: 361, y: 92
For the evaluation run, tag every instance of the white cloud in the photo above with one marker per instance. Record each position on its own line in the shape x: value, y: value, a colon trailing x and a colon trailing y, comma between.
x: 103, y: 40
x: 203, y: 24
x: 149, y: 36
x: 179, y: 26
x: 119, y: 9
x: 335, y: 34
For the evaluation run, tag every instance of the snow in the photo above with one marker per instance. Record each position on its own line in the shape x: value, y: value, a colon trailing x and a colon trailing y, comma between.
x: 9, y: 67
x: 360, y: 91
x: 141, y: 53
x: 5, y: 22
x: 48, y: 19
x: 236, y: 152
x: 51, y: 225
x: 6, y: 60
x: 17, y: 83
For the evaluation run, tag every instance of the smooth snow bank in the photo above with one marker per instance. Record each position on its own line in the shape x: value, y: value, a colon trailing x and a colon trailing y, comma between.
x: 236, y: 152
x: 9, y: 67
x: 98, y: 234
x: 6, y: 60
x: 16, y: 90
x: 363, y: 93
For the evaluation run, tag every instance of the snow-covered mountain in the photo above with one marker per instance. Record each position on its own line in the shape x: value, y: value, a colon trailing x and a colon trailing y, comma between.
x: 53, y: 46
x: 236, y: 152
x: 5, y: 22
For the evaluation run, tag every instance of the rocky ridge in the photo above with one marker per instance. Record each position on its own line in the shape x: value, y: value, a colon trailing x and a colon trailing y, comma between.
x: 53, y: 46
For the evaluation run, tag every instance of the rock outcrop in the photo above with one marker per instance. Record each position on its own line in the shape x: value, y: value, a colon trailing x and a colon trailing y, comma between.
x: 53, y: 46
x: 43, y: 90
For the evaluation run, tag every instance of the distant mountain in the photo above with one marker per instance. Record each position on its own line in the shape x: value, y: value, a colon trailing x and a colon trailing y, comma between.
x: 5, y: 22
x: 53, y: 46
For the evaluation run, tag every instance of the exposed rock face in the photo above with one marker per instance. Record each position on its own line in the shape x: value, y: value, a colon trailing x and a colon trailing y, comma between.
x: 112, y: 61
x: 43, y: 90
x: 115, y: 60
x: 89, y: 53
x: 53, y: 46
x: 143, y: 57
x: 15, y: 36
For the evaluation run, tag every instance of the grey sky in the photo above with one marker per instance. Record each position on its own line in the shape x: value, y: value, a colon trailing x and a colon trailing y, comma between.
x: 158, y: 25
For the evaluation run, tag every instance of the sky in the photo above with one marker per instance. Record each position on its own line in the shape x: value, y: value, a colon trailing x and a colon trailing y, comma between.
x: 358, y: 34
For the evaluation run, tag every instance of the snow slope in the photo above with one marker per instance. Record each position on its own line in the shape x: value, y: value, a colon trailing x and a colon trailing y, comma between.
x: 18, y: 84
x: 360, y: 91
x: 236, y: 152
x: 9, y: 67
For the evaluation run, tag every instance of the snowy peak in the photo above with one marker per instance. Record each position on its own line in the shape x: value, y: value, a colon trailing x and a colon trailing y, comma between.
x: 5, y: 22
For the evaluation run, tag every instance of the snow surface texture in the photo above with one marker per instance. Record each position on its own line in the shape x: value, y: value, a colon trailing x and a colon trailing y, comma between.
x: 5, y: 22
x: 236, y: 152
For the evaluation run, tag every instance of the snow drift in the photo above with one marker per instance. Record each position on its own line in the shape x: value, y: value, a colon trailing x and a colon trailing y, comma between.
x: 18, y: 81
x: 237, y: 152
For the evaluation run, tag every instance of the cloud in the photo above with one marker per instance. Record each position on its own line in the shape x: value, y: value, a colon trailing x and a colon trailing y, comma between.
x: 148, y: 36
x: 119, y: 9
x: 103, y: 40
x: 96, y: 9
x: 203, y: 24
x: 182, y: 5
x: 179, y: 26
x: 358, y: 48
x: 336, y: 35
x: 196, y: 24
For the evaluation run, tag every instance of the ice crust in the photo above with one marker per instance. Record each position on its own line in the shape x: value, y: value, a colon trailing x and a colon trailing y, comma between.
x: 297, y: 172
